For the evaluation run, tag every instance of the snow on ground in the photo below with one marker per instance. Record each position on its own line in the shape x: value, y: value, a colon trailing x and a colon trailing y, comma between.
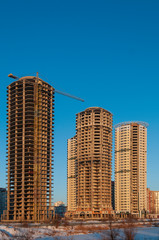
x: 147, y: 233
x: 90, y: 231
x: 141, y: 234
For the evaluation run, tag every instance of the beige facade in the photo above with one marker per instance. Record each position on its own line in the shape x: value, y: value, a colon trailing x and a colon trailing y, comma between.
x: 71, y: 174
x: 131, y: 167
x: 94, y: 156
x: 29, y: 149
x: 148, y: 200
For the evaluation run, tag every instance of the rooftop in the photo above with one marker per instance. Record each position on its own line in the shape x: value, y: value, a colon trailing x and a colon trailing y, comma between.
x: 96, y: 108
x: 144, y: 124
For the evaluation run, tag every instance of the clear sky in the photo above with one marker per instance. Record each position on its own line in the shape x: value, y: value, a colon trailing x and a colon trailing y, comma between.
x: 106, y: 52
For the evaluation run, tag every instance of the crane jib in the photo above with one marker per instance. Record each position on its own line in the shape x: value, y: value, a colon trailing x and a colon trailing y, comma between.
x: 68, y: 95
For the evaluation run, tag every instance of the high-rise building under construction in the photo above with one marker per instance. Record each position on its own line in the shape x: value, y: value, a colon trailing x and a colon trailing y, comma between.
x: 131, y: 167
x: 94, y: 156
x: 30, y: 107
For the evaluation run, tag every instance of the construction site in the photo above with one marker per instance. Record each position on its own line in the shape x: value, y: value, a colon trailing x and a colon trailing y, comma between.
x: 30, y: 111
x: 93, y: 164
x: 30, y: 126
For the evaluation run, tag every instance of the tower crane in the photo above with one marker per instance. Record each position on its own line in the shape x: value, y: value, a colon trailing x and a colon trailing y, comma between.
x: 55, y: 90
x: 37, y: 92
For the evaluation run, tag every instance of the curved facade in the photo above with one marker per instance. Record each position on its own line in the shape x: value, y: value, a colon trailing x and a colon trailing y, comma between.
x: 29, y: 153
x: 131, y: 167
x: 94, y: 156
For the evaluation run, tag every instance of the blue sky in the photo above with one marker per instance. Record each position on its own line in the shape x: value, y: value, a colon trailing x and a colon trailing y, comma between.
x: 106, y: 52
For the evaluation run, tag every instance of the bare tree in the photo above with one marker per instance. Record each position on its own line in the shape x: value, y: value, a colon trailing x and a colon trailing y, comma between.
x: 129, y: 230
x: 113, y: 233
